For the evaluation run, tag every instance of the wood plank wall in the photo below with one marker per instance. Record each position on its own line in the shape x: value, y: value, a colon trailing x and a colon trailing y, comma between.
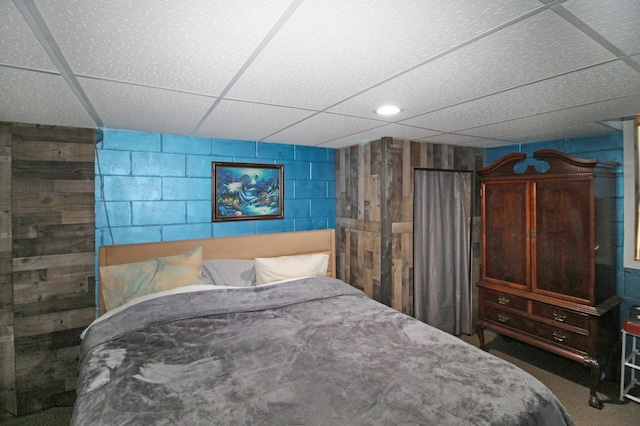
x: 50, y: 297
x: 374, y: 207
x: 8, y: 400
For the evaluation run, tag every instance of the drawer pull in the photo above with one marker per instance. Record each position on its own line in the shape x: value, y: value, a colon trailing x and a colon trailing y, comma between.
x: 559, y: 316
x: 559, y: 336
x: 503, y: 300
x: 502, y: 317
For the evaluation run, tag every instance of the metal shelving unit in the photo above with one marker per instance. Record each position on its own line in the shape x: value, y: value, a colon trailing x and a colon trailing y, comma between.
x: 629, y: 363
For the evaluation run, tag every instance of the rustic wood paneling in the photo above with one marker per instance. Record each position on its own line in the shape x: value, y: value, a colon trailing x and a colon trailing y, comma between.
x: 374, y: 184
x: 388, y: 174
x: 53, y: 151
x: 53, y: 231
x: 43, y: 202
x: 54, y: 341
x: 44, y: 262
x: 5, y: 189
x: 8, y: 399
x: 36, y: 132
x: 60, y: 294
x: 45, y: 246
x: 55, y: 321
x: 52, y: 170
x: 49, y: 260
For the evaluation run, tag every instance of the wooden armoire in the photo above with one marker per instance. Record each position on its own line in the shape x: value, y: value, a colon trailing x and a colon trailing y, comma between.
x: 548, y: 257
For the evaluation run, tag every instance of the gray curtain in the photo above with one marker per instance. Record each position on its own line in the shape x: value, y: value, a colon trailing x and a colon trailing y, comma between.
x: 442, y: 290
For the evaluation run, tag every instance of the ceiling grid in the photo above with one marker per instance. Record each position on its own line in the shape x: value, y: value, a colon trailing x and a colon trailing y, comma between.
x: 303, y: 72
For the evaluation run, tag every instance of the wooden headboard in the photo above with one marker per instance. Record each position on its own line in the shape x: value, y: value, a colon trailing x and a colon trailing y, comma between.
x: 242, y: 247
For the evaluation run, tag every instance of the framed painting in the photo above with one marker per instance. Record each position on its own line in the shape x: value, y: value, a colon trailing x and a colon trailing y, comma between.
x: 244, y: 191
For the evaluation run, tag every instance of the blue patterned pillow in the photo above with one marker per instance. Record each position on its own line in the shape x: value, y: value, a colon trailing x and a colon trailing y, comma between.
x: 121, y: 283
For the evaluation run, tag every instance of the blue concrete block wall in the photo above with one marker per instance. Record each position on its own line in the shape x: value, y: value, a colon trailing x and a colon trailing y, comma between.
x: 604, y: 148
x: 157, y: 187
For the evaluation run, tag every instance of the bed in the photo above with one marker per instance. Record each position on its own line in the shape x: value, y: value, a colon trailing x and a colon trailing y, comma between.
x: 292, y: 345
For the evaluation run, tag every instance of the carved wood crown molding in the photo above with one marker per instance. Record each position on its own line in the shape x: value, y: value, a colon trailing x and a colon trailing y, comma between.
x: 560, y: 163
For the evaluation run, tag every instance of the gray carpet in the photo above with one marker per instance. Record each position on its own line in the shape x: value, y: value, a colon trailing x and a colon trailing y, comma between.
x: 58, y: 416
x: 567, y: 379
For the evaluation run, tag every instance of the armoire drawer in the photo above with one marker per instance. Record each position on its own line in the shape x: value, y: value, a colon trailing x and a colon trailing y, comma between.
x: 504, y: 299
x: 565, y: 316
x: 509, y: 319
x: 556, y: 335
x: 560, y: 336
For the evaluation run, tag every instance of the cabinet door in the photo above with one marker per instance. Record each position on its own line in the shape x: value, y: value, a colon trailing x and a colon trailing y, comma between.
x: 505, y: 212
x: 563, y: 239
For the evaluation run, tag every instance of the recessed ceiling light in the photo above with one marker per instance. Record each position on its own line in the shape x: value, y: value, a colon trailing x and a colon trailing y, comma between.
x: 388, y: 110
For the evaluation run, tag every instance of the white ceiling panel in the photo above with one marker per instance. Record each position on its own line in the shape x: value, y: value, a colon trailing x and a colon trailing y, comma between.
x: 311, y: 72
x: 616, y: 20
x: 462, y: 140
x: 485, y: 143
x: 622, y: 107
x: 181, y: 44
x: 35, y: 97
x: 330, y: 50
x: 18, y: 45
x: 588, y: 129
x: 449, y: 138
x: 258, y: 120
x: 398, y: 130
x: 611, y: 80
x: 322, y: 126
x: 131, y: 107
x: 518, y: 55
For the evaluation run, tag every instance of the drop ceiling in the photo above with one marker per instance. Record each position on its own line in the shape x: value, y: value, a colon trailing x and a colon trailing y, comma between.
x: 477, y: 73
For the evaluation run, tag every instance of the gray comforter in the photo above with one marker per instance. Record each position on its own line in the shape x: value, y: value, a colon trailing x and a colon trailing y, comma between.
x: 307, y: 352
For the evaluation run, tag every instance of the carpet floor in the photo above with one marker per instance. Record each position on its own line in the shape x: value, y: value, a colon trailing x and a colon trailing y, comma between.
x: 568, y: 380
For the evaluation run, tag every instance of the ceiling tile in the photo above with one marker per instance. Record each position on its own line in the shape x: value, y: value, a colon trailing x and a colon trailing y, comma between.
x: 41, y: 98
x: 330, y: 50
x: 19, y: 46
x: 146, y: 109
x: 258, y: 120
x: 621, y: 107
x: 616, y: 20
x: 611, y: 80
x: 518, y: 55
x: 588, y: 129
x: 485, y: 143
x: 180, y: 44
x: 322, y: 128
x: 451, y: 139
x: 397, y: 130
x: 481, y: 73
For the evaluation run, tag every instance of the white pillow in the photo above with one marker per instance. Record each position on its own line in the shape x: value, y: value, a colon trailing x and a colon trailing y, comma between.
x: 270, y: 269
